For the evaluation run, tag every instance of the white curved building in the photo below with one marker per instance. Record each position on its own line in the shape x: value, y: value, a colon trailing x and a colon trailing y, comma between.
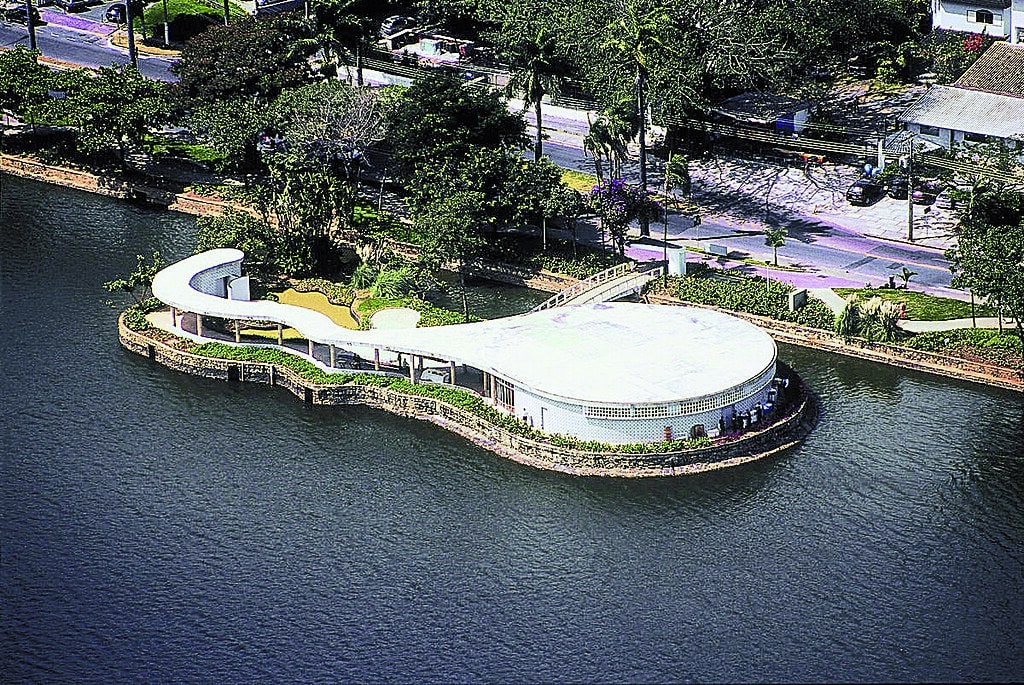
x: 614, y: 373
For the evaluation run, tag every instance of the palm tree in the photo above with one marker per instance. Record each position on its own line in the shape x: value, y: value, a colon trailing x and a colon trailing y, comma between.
x: 537, y: 70
x: 635, y: 37
x: 906, y: 275
x: 339, y: 29
x: 775, y: 238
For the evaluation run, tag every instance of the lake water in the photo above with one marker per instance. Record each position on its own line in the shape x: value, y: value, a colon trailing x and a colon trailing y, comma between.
x: 163, y: 528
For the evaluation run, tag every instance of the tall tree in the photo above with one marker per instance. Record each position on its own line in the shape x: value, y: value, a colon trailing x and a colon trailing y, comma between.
x: 538, y: 69
x: 439, y: 118
x: 23, y: 81
x: 450, y: 225
x: 257, y: 58
x: 988, y: 258
x: 114, y: 108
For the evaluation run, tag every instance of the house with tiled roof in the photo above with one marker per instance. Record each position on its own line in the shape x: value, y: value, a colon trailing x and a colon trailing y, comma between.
x: 998, y: 18
x: 986, y: 104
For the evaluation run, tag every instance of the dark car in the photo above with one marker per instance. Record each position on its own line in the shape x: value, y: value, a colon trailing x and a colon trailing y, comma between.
x: 393, y: 25
x: 865, y: 191
x: 115, y: 14
x: 19, y: 15
x: 73, y: 5
x: 925, y: 192
x: 898, y: 187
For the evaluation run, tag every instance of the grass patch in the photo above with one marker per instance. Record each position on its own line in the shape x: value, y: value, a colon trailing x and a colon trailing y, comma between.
x: 974, y: 344
x: 430, y: 315
x: 921, y: 306
x: 579, y: 180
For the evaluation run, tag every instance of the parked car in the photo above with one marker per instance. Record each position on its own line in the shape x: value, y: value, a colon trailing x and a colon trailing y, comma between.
x: 19, y: 15
x: 898, y: 187
x: 925, y: 192
x: 394, y: 24
x: 115, y: 14
x: 73, y: 5
x: 865, y: 191
x: 264, y: 7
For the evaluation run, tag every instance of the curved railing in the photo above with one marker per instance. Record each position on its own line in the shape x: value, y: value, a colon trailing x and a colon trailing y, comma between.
x: 627, y: 276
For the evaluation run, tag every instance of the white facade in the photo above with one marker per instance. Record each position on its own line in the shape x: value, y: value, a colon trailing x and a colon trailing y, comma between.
x: 999, y: 18
x: 614, y: 373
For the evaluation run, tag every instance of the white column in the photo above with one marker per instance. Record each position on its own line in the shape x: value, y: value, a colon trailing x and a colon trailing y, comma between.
x: 453, y: 372
x: 280, y: 335
x: 238, y: 331
x: 310, y: 348
x: 332, y: 356
x: 199, y: 325
x: 174, y: 317
x: 376, y: 358
x: 412, y: 369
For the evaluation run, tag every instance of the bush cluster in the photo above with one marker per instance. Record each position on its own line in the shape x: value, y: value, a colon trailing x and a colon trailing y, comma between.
x: 749, y: 294
x: 336, y: 293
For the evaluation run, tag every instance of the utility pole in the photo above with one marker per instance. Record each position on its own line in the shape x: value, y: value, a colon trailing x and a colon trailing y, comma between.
x: 31, y: 26
x: 132, y: 56
x: 910, y: 192
x: 641, y: 82
x: 167, y: 28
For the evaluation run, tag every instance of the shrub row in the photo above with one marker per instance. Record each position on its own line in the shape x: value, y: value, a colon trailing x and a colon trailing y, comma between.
x: 335, y: 293
x: 430, y: 315
x: 749, y: 294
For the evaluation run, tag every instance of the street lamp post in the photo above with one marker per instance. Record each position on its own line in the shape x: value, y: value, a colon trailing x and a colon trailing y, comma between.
x: 167, y: 28
x: 31, y: 26
x: 132, y: 56
x: 910, y: 192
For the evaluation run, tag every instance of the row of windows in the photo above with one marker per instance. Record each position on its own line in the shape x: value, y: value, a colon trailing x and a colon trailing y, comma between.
x: 704, y: 404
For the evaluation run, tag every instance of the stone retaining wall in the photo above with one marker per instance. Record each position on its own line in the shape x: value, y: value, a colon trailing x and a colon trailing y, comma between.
x: 83, y: 180
x: 749, y: 447
x: 903, y: 357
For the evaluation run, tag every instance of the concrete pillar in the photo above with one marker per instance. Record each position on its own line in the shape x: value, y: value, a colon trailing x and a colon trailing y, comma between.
x: 376, y: 358
x: 280, y: 335
x: 453, y: 373
x: 493, y: 387
x: 332, y: 356
x: 238, y: 331
x: 310, y: 347
x: 412, y: 369
x: 199, y: 324
x: 174, y: 317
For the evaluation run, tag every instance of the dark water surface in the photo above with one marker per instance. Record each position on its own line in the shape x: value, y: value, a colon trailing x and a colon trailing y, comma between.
x: 162, y: 528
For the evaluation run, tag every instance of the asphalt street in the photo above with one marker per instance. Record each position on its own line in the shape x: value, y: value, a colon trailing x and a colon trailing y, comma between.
x: 88, y: 48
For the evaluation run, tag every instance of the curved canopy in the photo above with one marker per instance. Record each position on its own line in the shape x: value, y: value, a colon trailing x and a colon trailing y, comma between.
x: 610, y: 353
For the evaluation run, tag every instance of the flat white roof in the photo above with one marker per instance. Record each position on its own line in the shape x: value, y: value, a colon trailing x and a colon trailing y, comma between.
x: 609, y: 353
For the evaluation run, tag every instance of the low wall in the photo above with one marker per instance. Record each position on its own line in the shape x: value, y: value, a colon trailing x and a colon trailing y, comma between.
x: 83, y: 180
x: 894, y: 355
x: 751, y: 446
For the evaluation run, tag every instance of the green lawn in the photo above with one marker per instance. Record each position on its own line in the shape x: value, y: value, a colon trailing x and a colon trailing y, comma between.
x: 921, y: 307
x: 315, y: 301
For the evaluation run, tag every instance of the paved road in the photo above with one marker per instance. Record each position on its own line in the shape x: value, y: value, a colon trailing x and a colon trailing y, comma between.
x: 83, y: 47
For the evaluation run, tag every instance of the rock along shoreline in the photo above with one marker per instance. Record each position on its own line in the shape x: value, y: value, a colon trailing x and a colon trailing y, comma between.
x: 777, y: 438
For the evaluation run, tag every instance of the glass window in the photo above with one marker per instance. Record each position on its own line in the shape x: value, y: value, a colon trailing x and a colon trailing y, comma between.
x: 932, y: 131
x: 984, y: 17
